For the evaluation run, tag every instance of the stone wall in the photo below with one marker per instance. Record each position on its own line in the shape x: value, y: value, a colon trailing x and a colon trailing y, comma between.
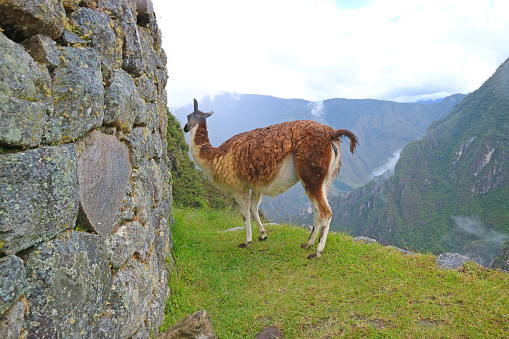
x: 85, y: 195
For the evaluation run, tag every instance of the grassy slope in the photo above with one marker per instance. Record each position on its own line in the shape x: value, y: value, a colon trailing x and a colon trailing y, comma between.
x: 354, y: 290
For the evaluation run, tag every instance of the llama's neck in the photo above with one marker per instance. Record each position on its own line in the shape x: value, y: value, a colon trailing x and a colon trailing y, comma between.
x: 201, y: 149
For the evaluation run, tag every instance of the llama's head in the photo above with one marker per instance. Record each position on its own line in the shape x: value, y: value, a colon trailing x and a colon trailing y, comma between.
x: 196, y: 118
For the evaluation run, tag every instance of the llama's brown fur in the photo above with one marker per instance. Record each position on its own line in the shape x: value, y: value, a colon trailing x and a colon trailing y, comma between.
x: 253, y: 161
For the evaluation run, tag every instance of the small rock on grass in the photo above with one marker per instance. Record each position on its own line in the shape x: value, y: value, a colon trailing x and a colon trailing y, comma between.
x: 270, y: 332
x: 197, y: 325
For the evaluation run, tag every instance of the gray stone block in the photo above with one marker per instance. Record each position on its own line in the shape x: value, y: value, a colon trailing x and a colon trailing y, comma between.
x: 102, y: 328
x: 122, y: 102
x: 127, y: 211
x: 149, y: 55
x: 118, y: 8
x: 160, y: 292
x: 146, y: 88
x: 24, y: 96
x: 132, y: 50
x: 139, y: 141
x: 97, y: 26
x: 79, y: 96
x: 163, y: 238
x: 145, y: 145
x: 12, y: 281
x: 144, y: 7
x: 11, y: 322
x: 22, y: 19
x: 147, y: 188
x: 69, y: 38
x: 19, y: 71
x: 103, y: 173
x: 127, y: 240
x: 43, y: 49
x: 145, y: 117
x: 38, y: 195
x: 130, y: 297
x: 162, y: 115
x: 163, y: 59
x: 164, y: 166
x: 161, y: 80
x: 22, y: 121
x: 70, y: 282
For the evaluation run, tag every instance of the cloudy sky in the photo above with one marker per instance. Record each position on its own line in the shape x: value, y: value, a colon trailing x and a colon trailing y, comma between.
x: 401, y: 50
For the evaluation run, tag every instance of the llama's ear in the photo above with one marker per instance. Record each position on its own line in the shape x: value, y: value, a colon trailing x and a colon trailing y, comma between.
x: 195, y: 106
x: 209, y: 114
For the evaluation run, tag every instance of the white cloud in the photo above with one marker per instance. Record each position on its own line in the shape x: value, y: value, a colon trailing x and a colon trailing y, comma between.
x: 387, y: 169
x: 488, y: 244
x: 472, y: 225
x: 316, y: 108
x: 312, y: 49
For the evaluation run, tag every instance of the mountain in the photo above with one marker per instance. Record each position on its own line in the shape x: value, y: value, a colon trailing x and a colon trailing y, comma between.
x: 383, y: 128
x: 450, y: 190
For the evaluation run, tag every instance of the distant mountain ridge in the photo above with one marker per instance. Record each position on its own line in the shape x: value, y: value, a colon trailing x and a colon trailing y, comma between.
x: 383, y: 127
x: 450, y: 190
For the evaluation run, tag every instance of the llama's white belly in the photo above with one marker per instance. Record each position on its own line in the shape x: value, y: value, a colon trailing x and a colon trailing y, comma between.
x: 284, y: 179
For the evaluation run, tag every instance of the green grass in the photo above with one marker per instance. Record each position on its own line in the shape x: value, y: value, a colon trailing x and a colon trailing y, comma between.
x: 353, y: 290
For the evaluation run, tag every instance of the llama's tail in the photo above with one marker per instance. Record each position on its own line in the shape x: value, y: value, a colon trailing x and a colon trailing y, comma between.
x: 336, y: 134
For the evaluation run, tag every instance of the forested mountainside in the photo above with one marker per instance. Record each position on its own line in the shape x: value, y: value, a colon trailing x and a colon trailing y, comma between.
x: 450, y: 190
x: 383, y: 128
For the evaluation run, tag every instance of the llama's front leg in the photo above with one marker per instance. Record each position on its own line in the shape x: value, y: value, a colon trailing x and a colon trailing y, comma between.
x: 243, y: 201
x: 256, y: 198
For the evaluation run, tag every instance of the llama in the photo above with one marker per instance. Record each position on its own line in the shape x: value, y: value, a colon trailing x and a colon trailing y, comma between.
x: 270, y: 160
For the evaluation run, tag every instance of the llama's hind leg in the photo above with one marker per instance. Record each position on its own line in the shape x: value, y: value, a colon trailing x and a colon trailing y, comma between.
x: 317, y: 223
x: 323, y: 239
x: 325, y: 218
x: 243, y: 201
x: 256, y: 198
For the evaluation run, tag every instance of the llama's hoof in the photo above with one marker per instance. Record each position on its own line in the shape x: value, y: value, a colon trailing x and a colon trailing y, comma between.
x: 305, y: 246
x: 312, y: 256
x: 245, y: 245
x: 262, y: 239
